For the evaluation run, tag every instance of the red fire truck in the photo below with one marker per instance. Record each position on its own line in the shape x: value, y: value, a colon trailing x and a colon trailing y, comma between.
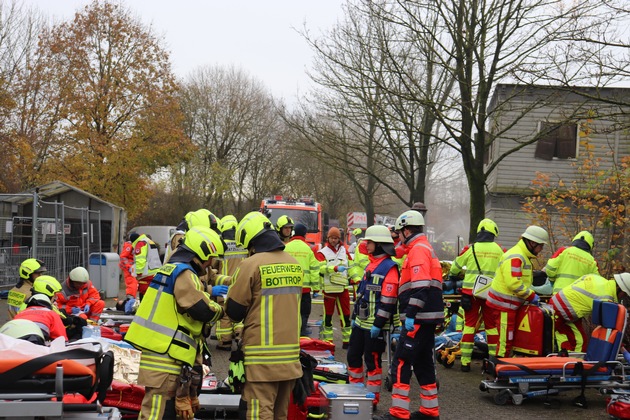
x: 304, y: 210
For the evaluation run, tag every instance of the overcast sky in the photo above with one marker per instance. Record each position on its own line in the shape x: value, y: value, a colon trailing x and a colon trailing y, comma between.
x: 256, y: 35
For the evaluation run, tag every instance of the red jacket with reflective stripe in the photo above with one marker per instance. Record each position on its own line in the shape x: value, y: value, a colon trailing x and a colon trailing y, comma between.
x: 420, y: 289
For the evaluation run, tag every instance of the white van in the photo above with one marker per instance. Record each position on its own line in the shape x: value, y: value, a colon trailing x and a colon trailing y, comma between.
x: 159, y: 234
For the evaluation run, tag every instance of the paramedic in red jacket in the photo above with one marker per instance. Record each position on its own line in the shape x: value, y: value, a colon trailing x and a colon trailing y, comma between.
x: 79, y: 297
x: 39, y: 310
x: 421, y: 309
x: 127, y: 267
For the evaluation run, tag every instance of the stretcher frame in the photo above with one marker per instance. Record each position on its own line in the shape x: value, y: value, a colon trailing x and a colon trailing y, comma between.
x: 40, y: 395
x: 532, y: 378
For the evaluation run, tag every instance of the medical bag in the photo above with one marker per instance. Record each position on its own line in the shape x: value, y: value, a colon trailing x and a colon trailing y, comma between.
x: 534, y: 333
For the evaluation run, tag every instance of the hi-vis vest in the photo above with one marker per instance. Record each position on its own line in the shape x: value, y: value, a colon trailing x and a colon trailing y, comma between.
x: 152, y: 261
x: 158, y: 326
x: 335, y: 282
x: 370, y: 291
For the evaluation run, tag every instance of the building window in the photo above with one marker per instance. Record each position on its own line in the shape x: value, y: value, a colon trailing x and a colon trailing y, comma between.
x: 556, y: 141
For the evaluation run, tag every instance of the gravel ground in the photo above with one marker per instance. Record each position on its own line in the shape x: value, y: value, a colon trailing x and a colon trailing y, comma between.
x: 459, y: 396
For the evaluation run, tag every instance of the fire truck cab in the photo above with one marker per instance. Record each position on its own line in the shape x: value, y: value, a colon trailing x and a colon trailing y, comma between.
x: 304, y: 210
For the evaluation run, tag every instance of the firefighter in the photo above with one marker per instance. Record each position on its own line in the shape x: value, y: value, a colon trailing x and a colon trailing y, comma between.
x: 168, y: 326
x: 480, y: 258
x: 334, y: 269
x: 575, y: 301
x: 570, y: 263
x: 421, y: 310
x: 79, y: 297
x: 30, y: 269
x: 39, y: 310
x: 302, y: 252
x: 512, y: 287
x: 226, y: 330
x: 146, y: 257
x: 266, y: 296
x: 375, y: 306
x: 284, y: 226
x: 127, y: 267
x: 360, y: 259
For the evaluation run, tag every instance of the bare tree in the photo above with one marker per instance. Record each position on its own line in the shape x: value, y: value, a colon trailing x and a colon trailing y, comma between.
x: 232, y: 120
x: 480, y: 44
x: 361, y: 120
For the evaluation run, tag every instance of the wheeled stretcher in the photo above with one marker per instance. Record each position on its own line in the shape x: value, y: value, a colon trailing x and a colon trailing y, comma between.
x: 520, y: 378
x: 39, y: 385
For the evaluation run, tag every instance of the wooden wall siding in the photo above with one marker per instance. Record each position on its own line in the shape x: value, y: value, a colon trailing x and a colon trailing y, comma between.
x: 516, y: 172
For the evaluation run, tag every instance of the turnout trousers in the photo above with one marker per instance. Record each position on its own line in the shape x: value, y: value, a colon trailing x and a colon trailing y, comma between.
x: 419, y: 355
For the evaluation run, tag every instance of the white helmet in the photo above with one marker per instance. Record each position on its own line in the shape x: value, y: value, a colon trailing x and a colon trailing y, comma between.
x: 409, y: 218
x: 536, y: 234
x: 379, y: 234
x: 40, y: 298
x: 80, y: 275
x: 623, y: 281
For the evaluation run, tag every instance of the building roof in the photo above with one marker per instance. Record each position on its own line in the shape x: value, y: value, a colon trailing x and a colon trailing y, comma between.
x: 50, y: 190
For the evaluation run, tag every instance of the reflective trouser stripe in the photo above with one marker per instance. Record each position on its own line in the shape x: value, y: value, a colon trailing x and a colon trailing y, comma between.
x: 429, y: 400
x: 253, y: 409
x: 156, y: 402
x: 400, y: 396
x: 507, y: 320
x: 355, y: 374
x: 326, y: 333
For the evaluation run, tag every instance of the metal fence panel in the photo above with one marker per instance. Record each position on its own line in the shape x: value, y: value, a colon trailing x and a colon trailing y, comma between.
x: 10, y: 260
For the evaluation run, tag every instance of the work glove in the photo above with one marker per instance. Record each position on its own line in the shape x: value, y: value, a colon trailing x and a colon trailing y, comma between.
x: 535, y: 300
x: 219, y: 290
x: 183, y: 408
x: 236, y: 372
x: 374, y: 331
x: 626, y: 354
x: 409, y: 324
x: 341, y: 268
x: 129, y: 306
x: 86, y: 308
x: 315, y: 295
x: 194, y: 404
x: 466, y: 302
x: 76, y: 310
x: 353, y: 323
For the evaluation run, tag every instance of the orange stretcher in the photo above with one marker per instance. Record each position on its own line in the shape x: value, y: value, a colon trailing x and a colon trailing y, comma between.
x: 520, y: 378
x: 41, y: 385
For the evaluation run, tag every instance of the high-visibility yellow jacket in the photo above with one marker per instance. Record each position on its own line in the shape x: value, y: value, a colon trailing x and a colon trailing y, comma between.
x: 488, y: 254
x: 569, y: 264
x: 512, y: 285
x: 303, y: 253
x: 575, y: 301
x: 172, y: 313
x: 146, y: 257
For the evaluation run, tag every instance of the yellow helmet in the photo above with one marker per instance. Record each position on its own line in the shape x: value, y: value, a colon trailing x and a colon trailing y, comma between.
x: 409, y: 218
x: 586, y: 237
x: 201, y: 217
x: 31, y: 266
x: 228, y: 222
x: 253, y: 224
x: 47, y: 285
x: 357, y: 232
x: 284, y: 221
x: 204, y: 242
x: 489, y: 226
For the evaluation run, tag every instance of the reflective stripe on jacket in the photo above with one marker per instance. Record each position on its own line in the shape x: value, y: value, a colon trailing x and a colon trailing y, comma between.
x: 488, y: 254
x: 569, y: 265
x: 575, y: 301
x: 512, y: 284
x: 420, y: 289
